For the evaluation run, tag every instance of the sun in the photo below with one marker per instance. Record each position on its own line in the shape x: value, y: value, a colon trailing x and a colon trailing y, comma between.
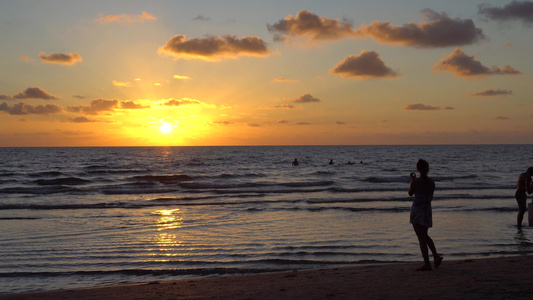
x: 165, y: 128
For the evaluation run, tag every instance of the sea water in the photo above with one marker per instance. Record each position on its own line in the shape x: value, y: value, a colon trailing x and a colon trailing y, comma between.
x: 81, y: 217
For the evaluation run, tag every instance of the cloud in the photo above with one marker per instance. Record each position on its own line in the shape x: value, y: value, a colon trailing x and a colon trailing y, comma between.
x: 103, y: 105
x: 5, y: 97
x: 502, y: 118
x: 60, y: 58
x: 439, y: 31
x: 22, y: 108
x: 181, y: 102
x: 97, y: 106
x: 223, y: 123
x: 125, y: 18
x: 201, y: 18
x: 180, y: 77
x: 491, y: 92
x: 34, y: 93
x: 254, y: 125
x: 367, y: 64
x: 284, y: 106
x: 462, y: 65
x: 25, y: 58
x: 81, y: 119
x: 516, y: 10
x: 132, y: 105
x: 422, y: 106
x: 340, y: 123
x: 311, y: 27
x: 213, y: 48
x: 307, y: 98
x: 282, y: 79
x: 121, y: 84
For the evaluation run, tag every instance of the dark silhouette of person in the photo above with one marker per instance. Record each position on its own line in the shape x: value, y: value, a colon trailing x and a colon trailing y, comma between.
x: 295, y: 162
x: 331, y: 162
x: 421, y: 215
x: 349, y: 163
x: 523, y: 186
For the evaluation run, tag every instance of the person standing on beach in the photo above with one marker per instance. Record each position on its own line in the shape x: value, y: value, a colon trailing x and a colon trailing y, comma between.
x: 523, y: 186
x: 421, y: 215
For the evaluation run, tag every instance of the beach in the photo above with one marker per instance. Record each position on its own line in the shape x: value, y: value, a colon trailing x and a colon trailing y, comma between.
x: 76, y: 218
x: 491, y: 278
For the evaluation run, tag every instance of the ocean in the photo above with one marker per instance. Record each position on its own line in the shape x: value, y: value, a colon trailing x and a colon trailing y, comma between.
x: 83, y: 217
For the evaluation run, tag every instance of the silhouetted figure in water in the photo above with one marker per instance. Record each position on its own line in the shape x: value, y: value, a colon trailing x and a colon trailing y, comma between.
x: 331, y: 162
x: 421, y: 214
x: 349, y: 163
x: 295, y: 162
x: 523, y: 186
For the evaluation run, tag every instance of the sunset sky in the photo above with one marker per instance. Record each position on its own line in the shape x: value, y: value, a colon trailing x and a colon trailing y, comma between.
x: 343, y: 72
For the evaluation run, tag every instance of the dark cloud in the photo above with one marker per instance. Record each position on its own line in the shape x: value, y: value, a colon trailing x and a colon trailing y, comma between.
x: 340, y: 123
x: 367, y: 64
x: 59, y: 58
x: 516, y: 10
x: 421, y: 106
x: 5, y: 97
x: 439, y: 31
x: 285, y: 106
x: 223, y: 123
x: 22, y: 108
x: 307, y: 98
x: 81, y: 119
x: 254, y: 125
x: 132, y: 105
x: 34, y: 93
x: 310, y: 26
x: 491, y: 92
x: 103, y: 105
x: 97, y: 106
x: 201, y: 18
x: 214, y: 48
x: 502, y: 118
x: 462, y: 65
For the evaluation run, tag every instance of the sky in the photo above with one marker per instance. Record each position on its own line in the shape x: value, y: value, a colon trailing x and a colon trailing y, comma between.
x: 245, y: 72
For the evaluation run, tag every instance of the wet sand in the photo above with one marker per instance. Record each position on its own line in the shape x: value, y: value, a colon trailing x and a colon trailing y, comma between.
x: 492, y: 278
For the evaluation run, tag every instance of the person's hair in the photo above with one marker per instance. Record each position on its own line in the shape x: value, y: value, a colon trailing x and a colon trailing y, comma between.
x: 423, y: 167
x: 530, y: 170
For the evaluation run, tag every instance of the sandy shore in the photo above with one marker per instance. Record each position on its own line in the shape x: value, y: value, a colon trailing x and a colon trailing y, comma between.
x: 493, y: 278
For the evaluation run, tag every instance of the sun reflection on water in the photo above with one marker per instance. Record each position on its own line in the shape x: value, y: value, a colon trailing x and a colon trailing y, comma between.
x: 170, y: 219
x: 167, y: 240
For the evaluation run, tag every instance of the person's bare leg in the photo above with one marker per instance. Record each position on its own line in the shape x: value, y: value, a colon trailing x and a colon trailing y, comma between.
x: 421, y: 234
x: 519, y: 219
x: 437, y: 259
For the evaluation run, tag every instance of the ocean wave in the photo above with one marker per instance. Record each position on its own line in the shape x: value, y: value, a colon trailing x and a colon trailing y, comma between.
x: 167, y: 179
x: 376, y: 179
x: 44, y: 190
x: 46, y: 174
x: 63, y: 181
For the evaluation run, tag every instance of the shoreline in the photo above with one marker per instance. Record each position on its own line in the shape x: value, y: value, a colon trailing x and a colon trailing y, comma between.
x: 488, y: 278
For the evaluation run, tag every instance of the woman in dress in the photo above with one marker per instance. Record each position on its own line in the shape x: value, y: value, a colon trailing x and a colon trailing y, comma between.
x: 421, y: 217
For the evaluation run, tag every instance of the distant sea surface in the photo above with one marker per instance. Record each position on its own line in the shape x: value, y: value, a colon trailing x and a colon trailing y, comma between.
x: 81, y: 217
